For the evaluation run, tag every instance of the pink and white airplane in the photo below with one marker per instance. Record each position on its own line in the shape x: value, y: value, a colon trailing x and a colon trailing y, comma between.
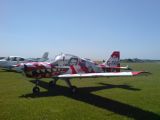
x: 66, y: 67
x: 110, y: 65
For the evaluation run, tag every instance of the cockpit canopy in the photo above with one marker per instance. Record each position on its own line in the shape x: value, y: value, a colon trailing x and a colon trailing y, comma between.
x: 14, y: 58
x: 66, y: 60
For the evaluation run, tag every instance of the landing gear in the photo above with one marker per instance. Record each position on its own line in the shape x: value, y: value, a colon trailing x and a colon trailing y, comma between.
x: 53, y: 82
x: 73, y: 89
x: 36, y: 89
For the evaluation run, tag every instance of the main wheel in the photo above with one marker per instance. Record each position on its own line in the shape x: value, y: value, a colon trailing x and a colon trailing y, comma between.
x: 36, y: 90
x: 52, y: 84
x: 73, y: 89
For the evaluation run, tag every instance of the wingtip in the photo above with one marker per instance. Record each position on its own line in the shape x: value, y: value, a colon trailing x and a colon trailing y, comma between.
x: 140, y: 73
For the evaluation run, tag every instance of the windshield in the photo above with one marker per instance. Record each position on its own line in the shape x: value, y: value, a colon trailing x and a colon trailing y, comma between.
x: 65, y: 60
x: 7, y: 59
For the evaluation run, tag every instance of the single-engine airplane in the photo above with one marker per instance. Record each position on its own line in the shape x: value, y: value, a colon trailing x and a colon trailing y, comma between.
x: 66, y: 67
x: 110, y: 65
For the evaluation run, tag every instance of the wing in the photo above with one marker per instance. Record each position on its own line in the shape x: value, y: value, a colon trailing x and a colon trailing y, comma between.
x: 110, y: 74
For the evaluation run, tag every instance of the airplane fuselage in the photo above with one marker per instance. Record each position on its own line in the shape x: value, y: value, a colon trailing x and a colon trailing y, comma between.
x: 11, y: 60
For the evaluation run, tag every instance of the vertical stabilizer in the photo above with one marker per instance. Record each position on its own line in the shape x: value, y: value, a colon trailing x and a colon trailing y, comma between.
x: 113, y: 62
x: 45, y: 55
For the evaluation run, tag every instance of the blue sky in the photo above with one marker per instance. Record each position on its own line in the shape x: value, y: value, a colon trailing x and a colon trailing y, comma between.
x: 87, y: 28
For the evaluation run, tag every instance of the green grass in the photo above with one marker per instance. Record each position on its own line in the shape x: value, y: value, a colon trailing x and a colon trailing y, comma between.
x: 123, y: 98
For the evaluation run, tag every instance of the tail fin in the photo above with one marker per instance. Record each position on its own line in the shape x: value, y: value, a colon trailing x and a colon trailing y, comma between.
x: 114, y: 61
x: 45, y: 55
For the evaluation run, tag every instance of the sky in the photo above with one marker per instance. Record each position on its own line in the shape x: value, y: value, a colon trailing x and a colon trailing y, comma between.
x: 86, y: 28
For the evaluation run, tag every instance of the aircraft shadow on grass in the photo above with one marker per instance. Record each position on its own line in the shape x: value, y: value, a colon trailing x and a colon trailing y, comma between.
x: 84, y: 94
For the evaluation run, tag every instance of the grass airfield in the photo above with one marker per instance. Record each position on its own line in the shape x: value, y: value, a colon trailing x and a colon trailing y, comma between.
x: 122, y: 98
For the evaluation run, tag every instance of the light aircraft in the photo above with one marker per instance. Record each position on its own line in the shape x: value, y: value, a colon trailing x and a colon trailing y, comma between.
x: 110, y: 65
x: 66, y: 67
x: 9, y: 62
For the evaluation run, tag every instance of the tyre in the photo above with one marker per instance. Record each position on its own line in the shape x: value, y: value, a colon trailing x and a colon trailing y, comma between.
x: 73, y: 89
x: 36, y: 90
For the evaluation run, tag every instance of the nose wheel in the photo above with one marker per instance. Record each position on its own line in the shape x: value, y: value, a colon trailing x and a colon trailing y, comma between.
x: 36, y: 89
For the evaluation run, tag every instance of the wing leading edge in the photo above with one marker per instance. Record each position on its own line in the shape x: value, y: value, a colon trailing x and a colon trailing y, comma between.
x: 111, y: 74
